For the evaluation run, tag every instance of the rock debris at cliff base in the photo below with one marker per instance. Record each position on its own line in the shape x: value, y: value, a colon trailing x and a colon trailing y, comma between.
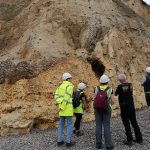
x: 46, y: 140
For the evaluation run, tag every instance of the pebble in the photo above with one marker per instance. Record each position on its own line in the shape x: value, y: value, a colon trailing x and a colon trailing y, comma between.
x: 46, y: 140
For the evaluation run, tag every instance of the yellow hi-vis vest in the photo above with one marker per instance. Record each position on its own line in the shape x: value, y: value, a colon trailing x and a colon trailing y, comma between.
x: 79, y: 109
x: 63, y: 97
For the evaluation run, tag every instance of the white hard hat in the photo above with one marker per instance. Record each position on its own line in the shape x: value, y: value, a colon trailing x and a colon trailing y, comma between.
x: 122, y: 77
x: 104, y: 79
x: 81, y: 86
x: 148, y: 69
x: 66, y: 76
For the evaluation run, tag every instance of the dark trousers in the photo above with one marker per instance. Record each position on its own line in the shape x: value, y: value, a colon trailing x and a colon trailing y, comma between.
x: 147, y: 96
x: 77, y: 121
x: 128, y: 116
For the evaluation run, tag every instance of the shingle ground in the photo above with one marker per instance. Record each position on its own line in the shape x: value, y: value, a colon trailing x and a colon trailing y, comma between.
x: 46, y: 140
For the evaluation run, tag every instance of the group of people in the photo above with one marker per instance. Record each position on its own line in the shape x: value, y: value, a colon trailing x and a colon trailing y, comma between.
x: 124, y: 91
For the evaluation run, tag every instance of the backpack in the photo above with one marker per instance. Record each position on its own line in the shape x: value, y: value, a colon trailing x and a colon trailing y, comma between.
x: 76, y: 99
x: 101, y: 99
x: 147, y: 84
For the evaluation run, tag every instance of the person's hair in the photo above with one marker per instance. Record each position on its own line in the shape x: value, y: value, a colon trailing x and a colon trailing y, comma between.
x: 104, y: 83
x: 122, y: 77
x: 68, y: 79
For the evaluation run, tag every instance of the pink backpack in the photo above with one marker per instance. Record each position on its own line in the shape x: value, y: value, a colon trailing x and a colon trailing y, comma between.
x: 101, y: 100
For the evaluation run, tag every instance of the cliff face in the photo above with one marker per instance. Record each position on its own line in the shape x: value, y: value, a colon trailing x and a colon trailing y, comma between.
x: 139, y: 8
x: 42, y: 39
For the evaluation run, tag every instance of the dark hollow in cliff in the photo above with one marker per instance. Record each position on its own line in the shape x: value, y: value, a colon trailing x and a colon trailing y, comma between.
x: 97, y: 66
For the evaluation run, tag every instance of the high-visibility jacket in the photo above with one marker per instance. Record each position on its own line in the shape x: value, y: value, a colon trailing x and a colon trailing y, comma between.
x: 109, y: 92
x: 63, y: 97
x: 79, y: 109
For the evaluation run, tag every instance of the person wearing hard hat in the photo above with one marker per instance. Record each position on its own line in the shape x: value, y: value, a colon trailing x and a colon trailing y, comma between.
x: 103, y: 117
x: 127, y: 108
x: 146, y: 85
x: 79, y: 110
x: 63, y: 97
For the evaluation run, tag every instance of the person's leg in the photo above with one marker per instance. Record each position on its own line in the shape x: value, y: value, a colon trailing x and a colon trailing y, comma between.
x: 60, y: 129
x: 98, y: 119
x: 136, y: 128
x: 126, y: 123
x: 107, y: 132
x: 77, y: 124
x: 69, y: 129
x: 78, y: 121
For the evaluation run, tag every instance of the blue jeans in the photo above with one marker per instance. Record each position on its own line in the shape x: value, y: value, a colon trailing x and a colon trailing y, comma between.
x: 61, y: 128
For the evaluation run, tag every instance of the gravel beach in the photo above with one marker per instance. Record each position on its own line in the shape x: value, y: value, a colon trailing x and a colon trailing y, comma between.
x: 46, y: 140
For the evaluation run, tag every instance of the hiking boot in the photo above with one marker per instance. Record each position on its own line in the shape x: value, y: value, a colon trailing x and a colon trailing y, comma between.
x: 99, y: 147
x: 71, y: 144
x: 129, y: 143
x: 60, y: 143
x: 138, y: 141
x: 79, y: 133
x: 110, y: 148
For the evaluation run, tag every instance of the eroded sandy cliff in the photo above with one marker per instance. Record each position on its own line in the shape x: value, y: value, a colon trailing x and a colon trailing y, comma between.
x: 41, y: 39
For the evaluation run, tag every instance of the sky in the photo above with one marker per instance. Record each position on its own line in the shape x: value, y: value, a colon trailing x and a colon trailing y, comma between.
x: 147, y: 2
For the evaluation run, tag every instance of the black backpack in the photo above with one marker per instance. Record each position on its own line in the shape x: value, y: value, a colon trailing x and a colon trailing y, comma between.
x: 76, y: 99
x: 147, y: 84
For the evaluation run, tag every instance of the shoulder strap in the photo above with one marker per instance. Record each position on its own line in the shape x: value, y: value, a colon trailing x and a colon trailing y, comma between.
x: 106, y: 89
x: 98, y: 88
x: 81, y: 92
